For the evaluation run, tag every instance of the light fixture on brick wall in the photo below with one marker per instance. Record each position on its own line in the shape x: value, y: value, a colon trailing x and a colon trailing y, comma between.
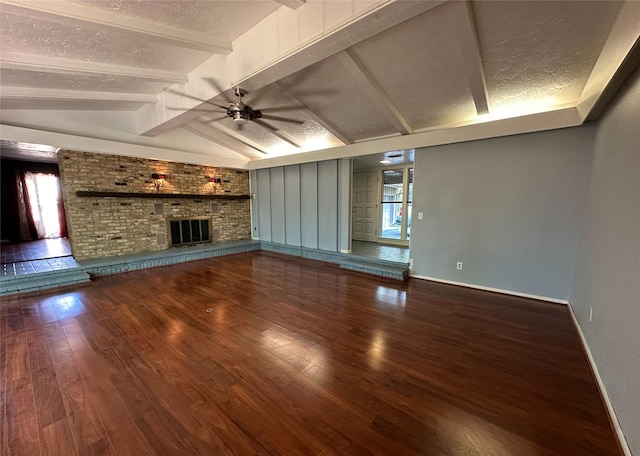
x: 158, y: 180
x: 214, y: 180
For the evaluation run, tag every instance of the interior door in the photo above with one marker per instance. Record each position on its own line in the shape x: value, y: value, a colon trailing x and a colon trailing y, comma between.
x: 365, y: 208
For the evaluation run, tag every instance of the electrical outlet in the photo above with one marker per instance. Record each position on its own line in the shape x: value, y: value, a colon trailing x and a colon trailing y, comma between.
x: 420, y: 215
x: 459, y: 265
x: 590, y: 314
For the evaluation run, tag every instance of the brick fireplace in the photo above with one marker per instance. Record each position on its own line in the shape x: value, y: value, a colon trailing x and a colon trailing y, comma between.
x: 114, y: 207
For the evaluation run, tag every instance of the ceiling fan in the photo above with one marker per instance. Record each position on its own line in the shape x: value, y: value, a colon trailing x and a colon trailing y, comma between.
x: 241, y: 113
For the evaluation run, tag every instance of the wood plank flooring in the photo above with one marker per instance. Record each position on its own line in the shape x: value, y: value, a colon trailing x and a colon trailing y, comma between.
x: 264, y: 354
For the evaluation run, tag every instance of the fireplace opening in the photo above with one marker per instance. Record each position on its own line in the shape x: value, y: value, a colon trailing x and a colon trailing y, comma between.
x: 189, y: 231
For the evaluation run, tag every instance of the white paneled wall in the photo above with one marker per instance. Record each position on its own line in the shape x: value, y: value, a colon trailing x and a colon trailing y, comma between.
x: 287, y: 30
x: 303, y: 205
x: 292, y: 198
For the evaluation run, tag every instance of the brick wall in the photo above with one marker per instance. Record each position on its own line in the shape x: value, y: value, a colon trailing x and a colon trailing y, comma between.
x: 100, y: 227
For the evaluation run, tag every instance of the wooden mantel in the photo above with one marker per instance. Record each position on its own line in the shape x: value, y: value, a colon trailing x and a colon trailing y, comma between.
x: 211, y: 196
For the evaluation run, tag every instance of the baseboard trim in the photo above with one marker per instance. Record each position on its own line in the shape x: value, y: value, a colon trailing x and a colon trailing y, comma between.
x: 494, y: 290
x: 613, y: 418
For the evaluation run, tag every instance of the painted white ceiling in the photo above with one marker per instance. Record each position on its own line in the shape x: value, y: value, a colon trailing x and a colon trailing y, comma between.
x: 357, y: 77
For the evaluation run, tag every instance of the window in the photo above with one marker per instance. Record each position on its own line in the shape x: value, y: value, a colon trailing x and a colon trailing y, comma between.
x: 45, y: 201
x: 397, y: 194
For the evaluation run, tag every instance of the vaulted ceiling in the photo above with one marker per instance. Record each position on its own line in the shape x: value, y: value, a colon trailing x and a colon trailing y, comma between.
x: 330, y: 78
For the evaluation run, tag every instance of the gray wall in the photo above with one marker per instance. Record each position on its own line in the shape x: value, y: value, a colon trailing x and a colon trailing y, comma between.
x: 303, y: 205
x: 607, y: 268
x: 553, y: 214
x: 508, y: 208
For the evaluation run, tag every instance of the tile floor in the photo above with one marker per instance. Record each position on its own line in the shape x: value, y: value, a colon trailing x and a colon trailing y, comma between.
x: 380, y: 251
x: 35, y: 266
x: 37, y: 256
x: 35, y: 250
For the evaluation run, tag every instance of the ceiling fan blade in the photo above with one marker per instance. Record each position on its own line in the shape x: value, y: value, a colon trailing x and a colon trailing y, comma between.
x: 284, y: 108
x: 216, y: 119
x: 171, y: 108
x: 282, y: 119
x: 316, y: 92
x: 186, y: 95
x: 254, y: 100
x: 265, y: 125
x: 214, y: 84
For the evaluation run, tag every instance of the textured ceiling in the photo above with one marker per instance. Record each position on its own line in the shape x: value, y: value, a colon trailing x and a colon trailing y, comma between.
x: 435, y: 91
x: 328, y: 87
x: 344, y: 71
x: 541, y: 50
x: 47, y: 37
x: 226, y: 19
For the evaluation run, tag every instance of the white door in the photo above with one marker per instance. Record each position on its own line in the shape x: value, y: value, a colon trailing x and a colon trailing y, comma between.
x: 365, y: 206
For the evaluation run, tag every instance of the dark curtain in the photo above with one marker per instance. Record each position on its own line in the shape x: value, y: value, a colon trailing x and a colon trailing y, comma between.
x: 26, y: 226
x: 61, y: 213
x: 16, y: 220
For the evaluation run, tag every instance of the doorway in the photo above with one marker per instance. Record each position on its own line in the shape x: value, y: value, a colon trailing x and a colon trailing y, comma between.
x: 365, y: 207
x: 382, y: 197
x: 32, y: 205
x: 396, y: 197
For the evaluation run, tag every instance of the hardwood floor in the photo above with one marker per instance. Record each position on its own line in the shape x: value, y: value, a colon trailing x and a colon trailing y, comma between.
x: 264, y: 354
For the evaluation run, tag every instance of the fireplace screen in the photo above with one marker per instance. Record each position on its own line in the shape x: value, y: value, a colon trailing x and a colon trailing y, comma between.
x: 189, y: 231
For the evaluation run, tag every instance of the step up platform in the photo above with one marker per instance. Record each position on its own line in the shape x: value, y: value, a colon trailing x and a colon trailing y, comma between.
x: 31, y: 279
x: 382, y: 268
x: 42, y: 281
x: 375, y: 266
x: 79, y: 272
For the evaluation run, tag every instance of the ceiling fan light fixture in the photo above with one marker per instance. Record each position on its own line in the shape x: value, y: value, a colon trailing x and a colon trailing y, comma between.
x: 240, y: 117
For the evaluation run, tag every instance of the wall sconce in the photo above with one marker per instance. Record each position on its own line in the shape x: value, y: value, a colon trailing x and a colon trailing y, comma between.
x: 214, y: 180
x: 158, y: 180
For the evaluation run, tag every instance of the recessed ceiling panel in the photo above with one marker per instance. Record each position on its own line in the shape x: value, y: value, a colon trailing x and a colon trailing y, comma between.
x: 538, y: 53
x: 45, y: 36
x: 223, y: 19
x: 418, y: 66
x: 330, y: 90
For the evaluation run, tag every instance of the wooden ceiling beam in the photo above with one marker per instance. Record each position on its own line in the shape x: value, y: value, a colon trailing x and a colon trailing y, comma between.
x: 464, y: 26
x: 56, y: 65
x: 232, y: 133
x: 83, y: 15
x: 293, y: 4
x: 30, y: 93
x: 219, y: 137
x: 374, y: 91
